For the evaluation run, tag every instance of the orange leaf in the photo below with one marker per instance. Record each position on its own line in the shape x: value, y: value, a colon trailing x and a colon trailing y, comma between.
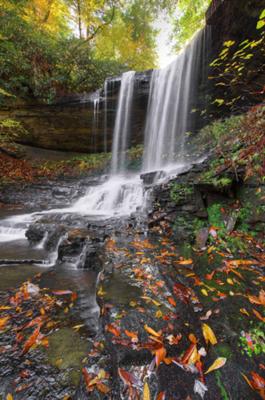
x: 171, y: 301
x: 258, y: 315
x: 192, y: 338
x: 160, y: 355
x: 3, y: 322
x: 185, y: 262
x: 112, y: 329
x: 132, y: 335
x: 31, y: 340
x: 151, y: 331
x: 103, y: 388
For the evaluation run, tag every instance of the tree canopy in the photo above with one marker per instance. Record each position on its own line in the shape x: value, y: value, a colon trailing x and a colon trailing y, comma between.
x: 190, y: 20
x: 53, y: 47
x: 49, y: 47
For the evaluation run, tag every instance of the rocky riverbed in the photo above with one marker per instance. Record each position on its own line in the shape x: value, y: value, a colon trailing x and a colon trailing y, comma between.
x: 139, y: 306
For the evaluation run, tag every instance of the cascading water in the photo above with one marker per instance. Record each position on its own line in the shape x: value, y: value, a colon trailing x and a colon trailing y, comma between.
x: 121, y: 133
x: 96, y: 104
x: 173, y: 91
x: 121, y: 194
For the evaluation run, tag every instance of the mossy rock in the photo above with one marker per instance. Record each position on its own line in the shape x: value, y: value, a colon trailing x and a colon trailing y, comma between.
x: 66, y: 352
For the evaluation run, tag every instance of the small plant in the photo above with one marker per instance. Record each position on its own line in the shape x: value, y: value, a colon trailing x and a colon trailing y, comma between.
x: 215, y: 216
x: 180, y: 192
x: 253, y: 342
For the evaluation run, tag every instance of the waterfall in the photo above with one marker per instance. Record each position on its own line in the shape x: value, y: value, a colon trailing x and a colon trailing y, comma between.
x: 121, y: 135
x: 96, y: 104
x: 173, y: 92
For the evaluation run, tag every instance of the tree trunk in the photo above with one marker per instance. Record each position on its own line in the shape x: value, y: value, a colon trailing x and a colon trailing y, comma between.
x: 79, y: 19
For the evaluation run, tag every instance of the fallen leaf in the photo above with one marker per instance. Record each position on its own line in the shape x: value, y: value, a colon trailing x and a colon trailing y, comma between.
x: 206, y: 316
x: 132, y: 335
x: 200, y: 388
x: 31, y: 340
x: 218, y: 363
x: 62, y: 292
x: 112, y: 329
x: 208, y: 334
x: 171, y: 301
x: 160, y: 355
x: 185, y: 262
x: 152, y: 332
x: 146, y: 394
x: 3, y: 322
x: 258, y: 315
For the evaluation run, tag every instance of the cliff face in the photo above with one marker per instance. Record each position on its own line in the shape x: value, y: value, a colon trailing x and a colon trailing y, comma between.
x: 71, y: 123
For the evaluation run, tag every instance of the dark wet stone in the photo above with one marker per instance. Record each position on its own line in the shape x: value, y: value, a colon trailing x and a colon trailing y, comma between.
x: 150, y: 178
x: 201, y: 237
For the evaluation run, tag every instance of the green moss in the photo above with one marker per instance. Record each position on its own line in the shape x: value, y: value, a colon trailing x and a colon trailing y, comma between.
x: 180, y: 192
x: 215, y: 216
x: 216, y: 130
x: 10, y: 130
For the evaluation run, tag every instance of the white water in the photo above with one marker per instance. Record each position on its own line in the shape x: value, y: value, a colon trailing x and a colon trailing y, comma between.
x: 96, y: 104
x: 122, y: 132
x: 171, y: 94
x: 172, y: 91
x: 118, y: 196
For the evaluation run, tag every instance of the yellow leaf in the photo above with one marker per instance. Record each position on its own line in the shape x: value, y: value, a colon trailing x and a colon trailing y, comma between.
x: 230, y: 281
x: 208, y: 334
x: 9, y: 397
x: 147, y: 395
x: 151, y: 331
x: 244, y: 311
x: 219, y: 362
x: 204, y: 292
x: 159, y: 314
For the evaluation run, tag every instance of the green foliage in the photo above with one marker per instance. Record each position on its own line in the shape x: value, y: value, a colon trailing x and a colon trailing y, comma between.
x: 42, y: 56
x: 237, y: 66
x: 256, y: 337
x: 213, y: 132
x: 10, y: 130
x: 191, y: 19
x: 215, y: 216
x: 179, y: 192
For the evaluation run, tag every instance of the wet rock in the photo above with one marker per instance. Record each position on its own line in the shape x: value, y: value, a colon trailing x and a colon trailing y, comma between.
x: 150, y: 178
x: 202, y: 237
x: 49, y: 232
